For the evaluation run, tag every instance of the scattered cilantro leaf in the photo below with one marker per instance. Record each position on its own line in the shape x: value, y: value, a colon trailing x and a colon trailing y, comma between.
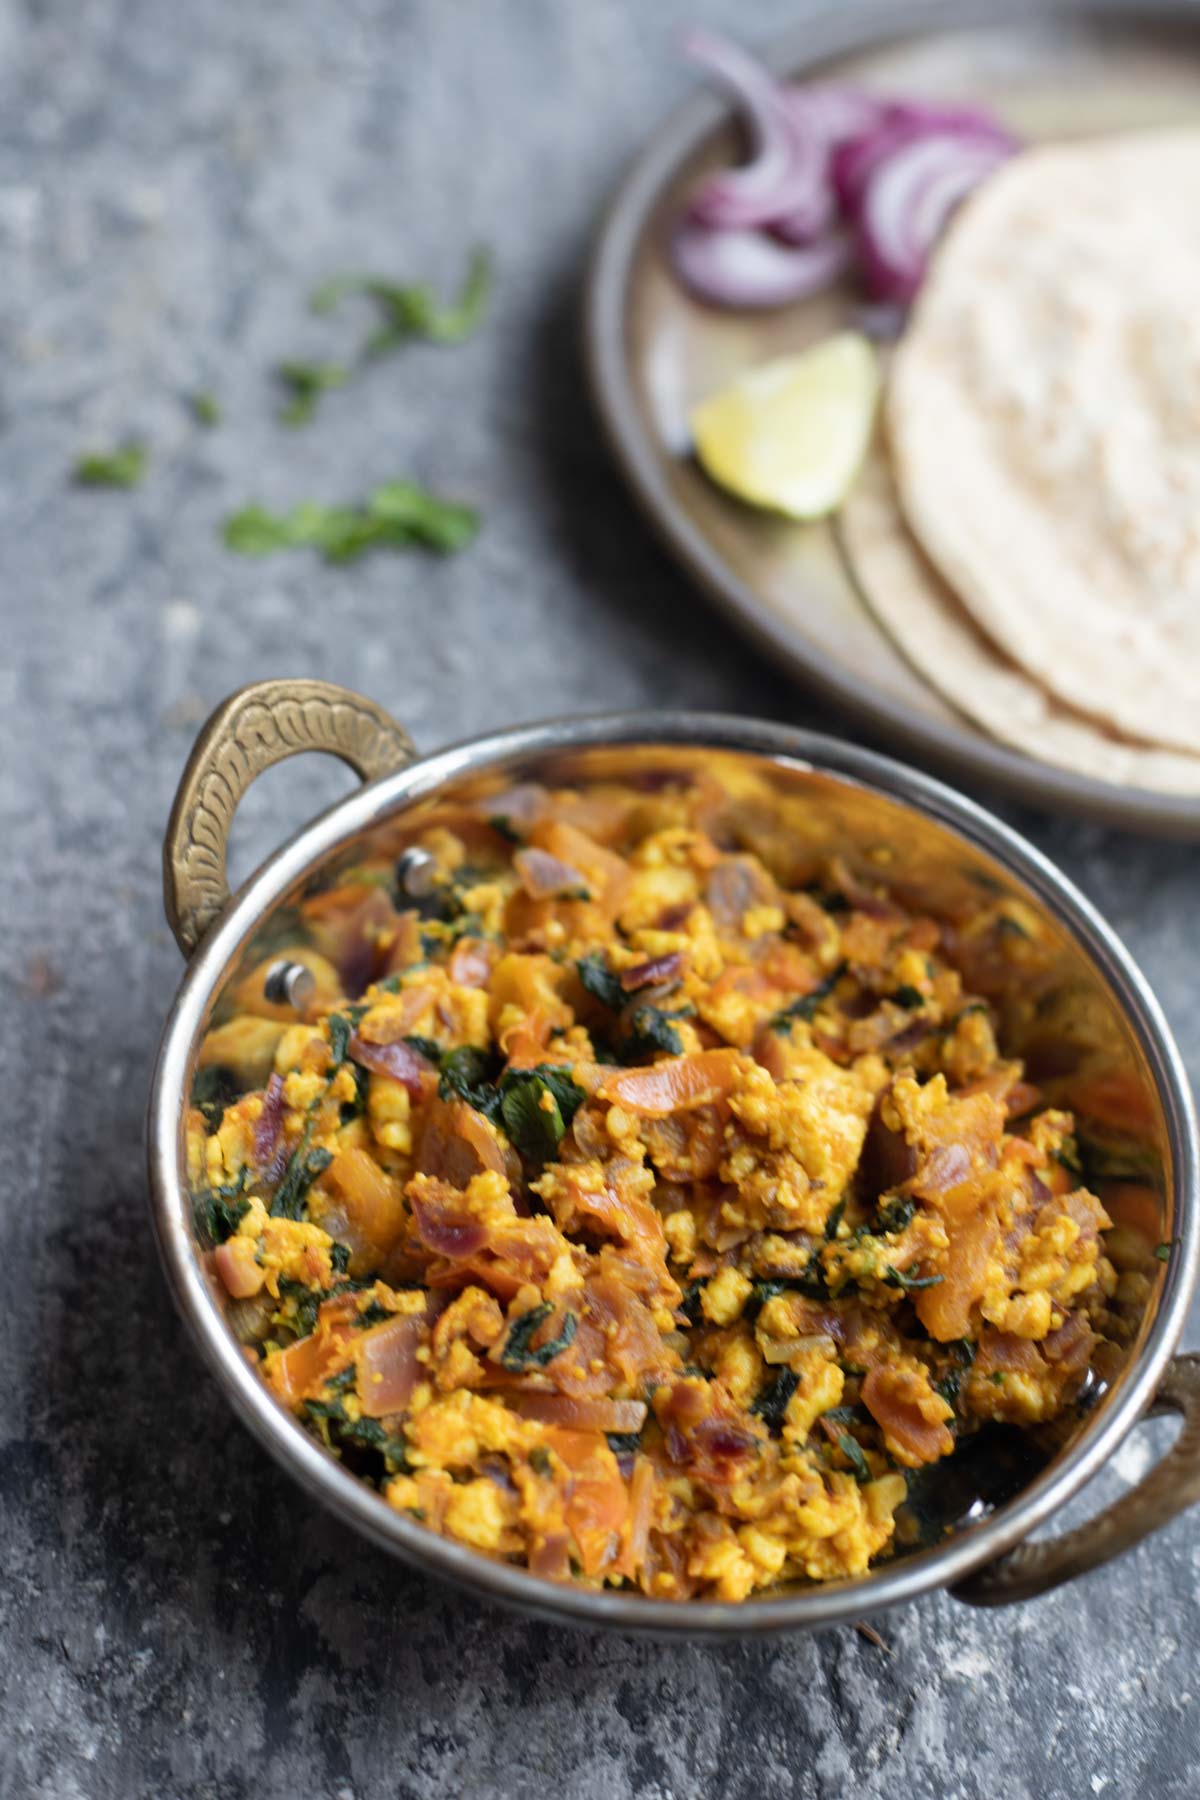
x: 120, y: 468
x: 304, y: 384
x: 908, y: 997
x: 409, y: 310
x: 624, y: 1443
x: 396, y: 516
x: 1163, y: 1251
x: 427, y: 1048
x: 539, y: 1460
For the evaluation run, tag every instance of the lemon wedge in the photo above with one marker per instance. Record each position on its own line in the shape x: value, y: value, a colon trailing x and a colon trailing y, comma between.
x: 791, y: 434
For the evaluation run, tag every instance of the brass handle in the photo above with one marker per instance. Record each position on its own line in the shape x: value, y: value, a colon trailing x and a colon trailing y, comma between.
x: 1172, y: 1485
x: 255, y: 728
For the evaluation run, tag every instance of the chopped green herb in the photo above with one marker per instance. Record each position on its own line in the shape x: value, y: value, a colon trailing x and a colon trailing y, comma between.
x: 900, y: 1278
x: 539, y: 1460
x: 996, y: 1377
x: 206, y: 409
x: 600, y: 982
x: 895, y: 1213
x: 1067, y: 1155
x: 306, y: 1303
x: 690, y: 1304
x: 507, y: 830
x: 909, y: 997
x: 468, y: 1073
x: 396, y: 516
x: 304, y: 1166
x: 221, y: 1210
x: 1010, y: 927
x: 1163, y: 1251
x: 304, y: 384
x: 409, y: 311
x: 624, y: 1443
x: 650, y: 1030
x: 975, y: 1006
x: 537, y: 1106
x: 341, y: 1432
x: 852, y: 1450
x: 807, y: 1005
x: 426, y: 1047
x: 121, y: 468
x: 772, y: 1402
x: 844, y: 1415
x: 517, y: 1354
x: 340, y: 1033
x: 213, y: 1090
x: 834, y: 1220
x: 1116, y: 1160
x: 339, y: 1258
x: 354, y: 1109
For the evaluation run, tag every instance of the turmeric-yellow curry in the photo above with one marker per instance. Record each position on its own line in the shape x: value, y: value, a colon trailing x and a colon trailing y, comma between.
x: 626, y: 1210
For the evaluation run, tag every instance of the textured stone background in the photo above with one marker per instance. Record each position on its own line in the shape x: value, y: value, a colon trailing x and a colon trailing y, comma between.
x: 176, y: 1618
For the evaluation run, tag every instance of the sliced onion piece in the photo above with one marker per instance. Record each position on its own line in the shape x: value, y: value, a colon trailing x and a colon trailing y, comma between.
x: 907, y: 200
x: 900, y: 123
x: 754, y: 193
x: 399, y: 1061
x: 749, y: 269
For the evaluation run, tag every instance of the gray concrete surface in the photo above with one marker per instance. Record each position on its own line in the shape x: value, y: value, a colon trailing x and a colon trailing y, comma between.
x: 175, y: 1618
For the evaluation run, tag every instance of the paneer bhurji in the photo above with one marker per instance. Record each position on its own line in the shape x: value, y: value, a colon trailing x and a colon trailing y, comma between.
x: 630, y: 1205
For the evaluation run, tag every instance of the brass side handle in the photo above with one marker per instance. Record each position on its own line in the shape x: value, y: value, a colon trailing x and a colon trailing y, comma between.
x: 1170, y: 1487
x: 254, y: 729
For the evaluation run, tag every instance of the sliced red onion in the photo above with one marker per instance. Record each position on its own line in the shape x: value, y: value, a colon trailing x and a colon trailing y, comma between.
x: 447, y: 1233
x: 268, y: 1128
x: 648, y: 974
x: 763, y: 234
x: 399, y: 1060
x: 907, y: 200
x: 759, y: 190
x: 824, y: 117
x: 901, y: 123
x: 749, y: 269
x: 543, y: 876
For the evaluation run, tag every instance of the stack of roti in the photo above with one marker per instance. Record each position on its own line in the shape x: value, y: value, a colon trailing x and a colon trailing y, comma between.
x: 1028, y: 526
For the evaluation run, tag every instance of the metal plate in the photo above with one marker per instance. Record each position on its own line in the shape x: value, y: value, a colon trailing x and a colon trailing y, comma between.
x: 652, y: 351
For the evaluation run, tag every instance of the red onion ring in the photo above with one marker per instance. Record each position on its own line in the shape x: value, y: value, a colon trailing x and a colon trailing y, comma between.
x: 749, y: 269
x: 764, y: 234
x: 907, y: 200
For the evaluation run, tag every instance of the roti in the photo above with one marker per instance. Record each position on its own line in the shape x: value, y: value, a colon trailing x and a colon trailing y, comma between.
x: 946, y: 647
x: 1044, y: 417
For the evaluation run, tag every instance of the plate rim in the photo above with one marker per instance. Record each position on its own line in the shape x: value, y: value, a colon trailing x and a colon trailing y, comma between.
x: 951, y: 747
